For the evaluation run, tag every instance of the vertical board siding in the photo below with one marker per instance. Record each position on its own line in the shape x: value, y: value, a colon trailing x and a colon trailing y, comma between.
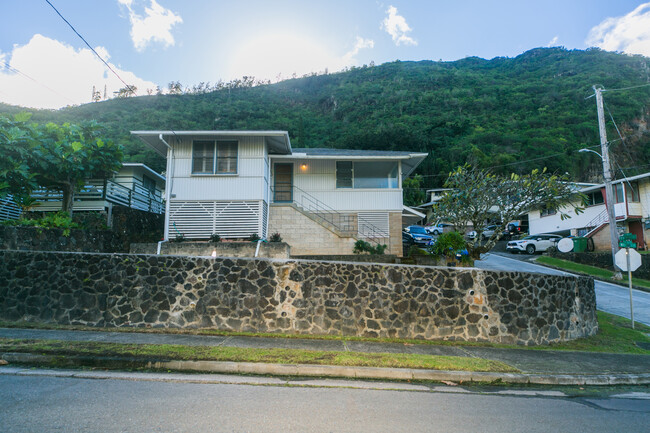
x: 200, y: 219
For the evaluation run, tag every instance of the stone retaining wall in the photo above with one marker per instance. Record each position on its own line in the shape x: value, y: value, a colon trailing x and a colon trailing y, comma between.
x: 41, y: 239
x: 291, y: 296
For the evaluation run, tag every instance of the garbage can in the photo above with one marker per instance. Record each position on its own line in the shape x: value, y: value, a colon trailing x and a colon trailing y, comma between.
x: 579, y: 245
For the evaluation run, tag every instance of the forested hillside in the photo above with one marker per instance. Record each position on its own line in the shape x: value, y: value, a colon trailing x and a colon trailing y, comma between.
x: 512, y: 114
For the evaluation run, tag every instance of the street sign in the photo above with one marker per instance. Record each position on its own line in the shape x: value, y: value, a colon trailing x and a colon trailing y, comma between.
x: 625, y: 240
x: 622, y: 256
x: 565, y: 245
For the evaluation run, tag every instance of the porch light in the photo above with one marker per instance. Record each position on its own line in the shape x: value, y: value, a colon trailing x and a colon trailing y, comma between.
x: 303, y: 167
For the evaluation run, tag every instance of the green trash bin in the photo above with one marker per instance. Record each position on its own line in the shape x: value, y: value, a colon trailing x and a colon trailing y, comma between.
x: 579, y: 245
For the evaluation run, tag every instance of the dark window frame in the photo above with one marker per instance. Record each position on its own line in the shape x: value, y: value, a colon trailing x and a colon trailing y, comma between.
x: 216, y: 159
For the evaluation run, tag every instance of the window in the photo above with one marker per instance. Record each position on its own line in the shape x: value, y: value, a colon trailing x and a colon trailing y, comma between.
x: 214, y: 157
x: 618, y: 190
x: 594, y: 198
x: 547, y: 211
x: 149, y: 184
x: 632, y: 192
x: 368, y: 175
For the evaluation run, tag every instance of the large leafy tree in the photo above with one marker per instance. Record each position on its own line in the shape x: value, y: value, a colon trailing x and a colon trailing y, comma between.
x: 17, y: 140
x: 477, y: 196
x: 66, y: 155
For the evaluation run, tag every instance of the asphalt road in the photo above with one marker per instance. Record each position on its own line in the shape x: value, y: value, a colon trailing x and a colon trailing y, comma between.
x: 141, y: 402
x: 610, y: 298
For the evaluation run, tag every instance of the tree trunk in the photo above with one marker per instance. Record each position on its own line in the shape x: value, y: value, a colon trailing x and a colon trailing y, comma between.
x: 68, y: 197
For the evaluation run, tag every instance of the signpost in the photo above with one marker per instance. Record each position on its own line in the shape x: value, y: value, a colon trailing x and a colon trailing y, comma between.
x: 628, y: 259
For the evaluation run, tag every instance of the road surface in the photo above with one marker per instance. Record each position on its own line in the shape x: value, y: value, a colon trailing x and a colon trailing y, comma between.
x: 145, y: 402
x: 610, y: 298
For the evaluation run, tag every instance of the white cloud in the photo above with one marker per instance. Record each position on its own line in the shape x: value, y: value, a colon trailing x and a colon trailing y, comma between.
x: 629, y: 33
x: 396, y: 26
x: 552, y: 42
x: 45, y: 73
x: 279, y: 55
x: 154, y: 26
x: 360, y: 44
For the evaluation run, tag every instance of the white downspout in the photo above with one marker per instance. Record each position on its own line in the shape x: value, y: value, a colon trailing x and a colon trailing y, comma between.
x: 168, y: 185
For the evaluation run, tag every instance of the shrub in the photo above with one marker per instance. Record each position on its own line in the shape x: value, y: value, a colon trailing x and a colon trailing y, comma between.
x: 361, y: 247
x: 254, y: 237
x: 58, y: 220
x: 414, y: 250
x: 449, y: 245
x: 275, y: 237
x: 179, y: 238
x: 215, y: 238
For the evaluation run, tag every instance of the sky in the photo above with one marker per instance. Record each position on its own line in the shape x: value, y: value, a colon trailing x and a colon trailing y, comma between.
x: 149, y: 43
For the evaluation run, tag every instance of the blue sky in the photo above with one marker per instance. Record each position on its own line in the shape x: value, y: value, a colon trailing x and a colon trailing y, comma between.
x: 152, y: 42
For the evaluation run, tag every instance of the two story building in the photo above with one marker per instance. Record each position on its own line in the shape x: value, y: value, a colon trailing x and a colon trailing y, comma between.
x: 239, y: 183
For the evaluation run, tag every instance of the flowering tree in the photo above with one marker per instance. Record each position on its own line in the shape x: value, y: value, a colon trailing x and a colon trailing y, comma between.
x: 476, y: 196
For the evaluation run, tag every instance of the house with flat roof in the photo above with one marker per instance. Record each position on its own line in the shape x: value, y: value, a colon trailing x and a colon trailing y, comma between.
x: 631, y: 207
x: 239, y: 183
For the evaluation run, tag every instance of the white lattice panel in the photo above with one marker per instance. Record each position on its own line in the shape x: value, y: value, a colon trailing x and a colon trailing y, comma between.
x: 200, y: 219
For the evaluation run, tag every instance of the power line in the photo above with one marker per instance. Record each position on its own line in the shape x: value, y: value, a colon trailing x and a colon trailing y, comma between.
x: 131, y: 88
x: 24, y: 75
x: 626, y: 88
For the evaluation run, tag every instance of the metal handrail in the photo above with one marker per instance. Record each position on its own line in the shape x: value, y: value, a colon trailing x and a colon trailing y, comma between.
x: 341, y: 221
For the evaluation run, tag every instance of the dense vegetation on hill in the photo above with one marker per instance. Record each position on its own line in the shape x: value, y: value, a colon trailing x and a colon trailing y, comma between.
x: 511, y: 114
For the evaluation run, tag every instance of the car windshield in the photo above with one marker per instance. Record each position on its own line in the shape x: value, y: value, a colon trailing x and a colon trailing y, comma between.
x: 417, y: 230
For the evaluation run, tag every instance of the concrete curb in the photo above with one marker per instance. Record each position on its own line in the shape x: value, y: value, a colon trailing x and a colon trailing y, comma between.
x: 402, y: 374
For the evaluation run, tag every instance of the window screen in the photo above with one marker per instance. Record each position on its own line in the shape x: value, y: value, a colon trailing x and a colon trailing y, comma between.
x: 343, y: 174
x: 203, y: 157
x: 226, y: 157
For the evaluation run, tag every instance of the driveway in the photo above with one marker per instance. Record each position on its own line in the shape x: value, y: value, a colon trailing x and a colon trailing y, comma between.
x: 610, y: 298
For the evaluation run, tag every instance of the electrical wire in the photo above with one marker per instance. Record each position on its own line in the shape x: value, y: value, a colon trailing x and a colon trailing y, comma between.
x: 626, y: 88
x: 24, y: 75
x: 128, y: 86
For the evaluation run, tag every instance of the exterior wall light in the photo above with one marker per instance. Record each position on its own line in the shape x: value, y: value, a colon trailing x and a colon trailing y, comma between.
x: 303, y: 167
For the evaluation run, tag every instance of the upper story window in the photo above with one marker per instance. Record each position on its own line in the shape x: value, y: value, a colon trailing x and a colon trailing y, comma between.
x: 632, y: 192
x: 214, y: 157
x: 618, y: 191
x: 149, y: 184
x: 370, y: 175
x: 547, y: 211
x: 594, y: 198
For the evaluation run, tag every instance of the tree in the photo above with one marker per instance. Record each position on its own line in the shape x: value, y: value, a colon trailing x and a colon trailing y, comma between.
x: 414, y: 194
x: 477, y: 196
x: 17, y: 139
x: 66, y: 155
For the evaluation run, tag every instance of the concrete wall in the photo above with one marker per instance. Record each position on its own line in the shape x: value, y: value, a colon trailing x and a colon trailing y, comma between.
x: 307, y: 297
x: 273, y: 250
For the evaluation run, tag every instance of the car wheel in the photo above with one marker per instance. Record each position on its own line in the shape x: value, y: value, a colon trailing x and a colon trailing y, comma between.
x: 436, y: 232
x: 530, y: 249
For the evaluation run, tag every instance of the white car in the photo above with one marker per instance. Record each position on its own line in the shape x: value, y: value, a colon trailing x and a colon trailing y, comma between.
x: 533, y: 243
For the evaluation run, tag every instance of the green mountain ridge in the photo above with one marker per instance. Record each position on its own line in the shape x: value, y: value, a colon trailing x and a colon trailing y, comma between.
x: 510, y: 114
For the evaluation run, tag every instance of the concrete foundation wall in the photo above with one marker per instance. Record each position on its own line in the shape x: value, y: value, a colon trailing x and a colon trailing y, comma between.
x: 305, y: 297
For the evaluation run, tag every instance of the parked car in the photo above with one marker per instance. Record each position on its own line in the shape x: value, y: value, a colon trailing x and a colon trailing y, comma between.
x: 436, y: 229
x: 417, y: 236
x: 487, y: 233
x: 533, y: 243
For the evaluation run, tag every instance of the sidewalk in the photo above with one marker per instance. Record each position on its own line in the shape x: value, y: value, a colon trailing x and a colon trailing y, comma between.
x: 537, y: 366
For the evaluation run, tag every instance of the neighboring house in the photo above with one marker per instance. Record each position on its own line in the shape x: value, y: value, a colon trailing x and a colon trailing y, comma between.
x: 134, y: 185
x: 239, y: 183
x: 631, y: 206
x: 433, y: 196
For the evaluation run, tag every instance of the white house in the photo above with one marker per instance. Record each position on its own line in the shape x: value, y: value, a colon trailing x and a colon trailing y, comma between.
x: 134, y: 185
x: 239, y: 183
x: 632, y: 209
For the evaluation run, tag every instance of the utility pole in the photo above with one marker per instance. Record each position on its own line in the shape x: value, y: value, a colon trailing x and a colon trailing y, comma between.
x: 609, y: 192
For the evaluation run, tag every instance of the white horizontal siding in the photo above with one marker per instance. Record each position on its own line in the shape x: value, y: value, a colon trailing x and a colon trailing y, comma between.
x: 317, y: 178
x: 200, y: 219
x: 373, y: 225
x: 219, y: 188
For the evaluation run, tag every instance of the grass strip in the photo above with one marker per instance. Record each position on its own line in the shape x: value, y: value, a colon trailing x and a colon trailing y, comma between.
x: 589, y: 270
x: 615, y: 335
x: 236, y: 354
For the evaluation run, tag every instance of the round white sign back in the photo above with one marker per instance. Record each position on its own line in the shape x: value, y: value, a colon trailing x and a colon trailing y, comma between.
x: 621, y: 259
x: 565, y: 245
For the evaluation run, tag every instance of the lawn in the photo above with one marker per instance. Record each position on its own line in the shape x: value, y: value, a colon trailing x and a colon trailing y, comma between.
x: 593, y: 271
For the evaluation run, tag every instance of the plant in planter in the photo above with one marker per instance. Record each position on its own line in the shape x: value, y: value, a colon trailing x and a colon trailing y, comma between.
x: 275, y: 237
x: 254, y: 237
x: 362, y: 247
x: 451, y: 247
x: 215, y: 238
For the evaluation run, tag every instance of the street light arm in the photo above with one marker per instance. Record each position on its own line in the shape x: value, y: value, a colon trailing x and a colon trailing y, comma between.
x: 592, y: 151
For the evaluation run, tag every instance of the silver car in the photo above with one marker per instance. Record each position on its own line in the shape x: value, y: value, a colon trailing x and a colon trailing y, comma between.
x: 533, y: 243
